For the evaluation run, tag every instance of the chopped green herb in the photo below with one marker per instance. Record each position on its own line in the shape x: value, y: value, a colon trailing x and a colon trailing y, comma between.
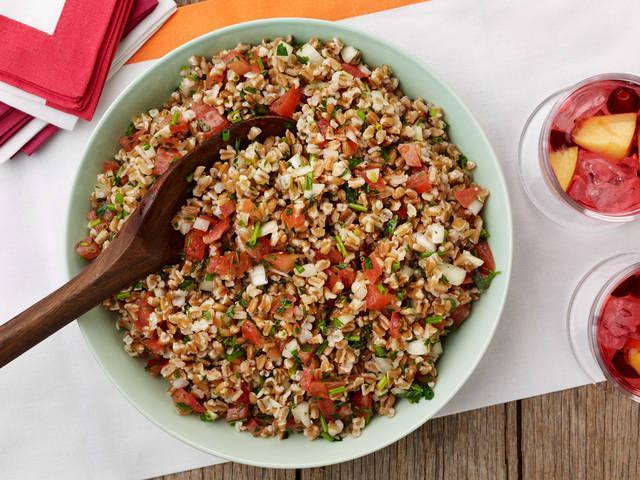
x: 380, y: 352
x: 367, y: 263
x: 340, y: 245
x: 243, y: 302
x: 434, y: 319
x: 95, y: 222
x: 237, y: 145
x: 230, y: 312
x: 351, y: 194
x: 400, y: 295
x: 187, y: 283
x: 361, y: 115
x: 255, y: 234
x: 453, y: 304
x: 483, y: 282
x: 129, y: 129
x: 444, y: 279
x: 437, y: 140
x: 337, y: 323
x: 355, y: 161
x: 206, y: 315
x: 484, y: 235
x: 426, y: 254
x: 302, y: 59
x: 189, y: 178
x: 235, y: 116
x: 282, y: 51
x: 123, y: 295
x: 308, y: 182
x: 208, y: 277
x: 226, y: 135
x: 433, y: 112
x: 337, y: 390
x: 462, y: 161
x: 260, y: 64
x: 391, y: 226
x: 175, y: 118
x: 208, y: 416
x: 382, y: 383
x: 183, y: 407
x: 322, y: 348
x: 299, y: 268
x: 395, y: 266
x: 250, y: 90
x: 146, y: 146
x: 322, y: 326
x: 341, y: 266
x: 381, y: 289
x: 119, y: 198
x: 358, y: 208
x: 237, y: 352
x: 417, y: 392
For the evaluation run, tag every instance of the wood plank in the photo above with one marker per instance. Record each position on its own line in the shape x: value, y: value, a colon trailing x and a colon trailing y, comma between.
x: 590, y: 432
x: 468, y: 445
x: 232, y: 471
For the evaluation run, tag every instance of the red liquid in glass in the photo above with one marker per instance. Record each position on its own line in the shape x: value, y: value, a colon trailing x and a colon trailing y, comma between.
x: 593, y: 145
x: 619, y: 333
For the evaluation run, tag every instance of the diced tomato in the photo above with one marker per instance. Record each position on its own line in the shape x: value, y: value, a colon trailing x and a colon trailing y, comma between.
x: 110, y: 166
x: 182, y: 396
x: 375, y: 271
x: 395, y: 324
x: 252, y: 425
x: 460, y: 314
x: 212, y: 80
x: 247, y: 206
x: 349, y: 148
x: 262, y: 248
x: 327, y: 407
x: 227, y: 209
x: 144, y: 311
x: 287, y: 104
x: 345, y: 411
x: 155, y: 365
x: 306, y: 379
x: 237, y: 412
x: 467, y: 196
x: 179, y: 128
x: 483, y: 251
x: 194, y: 246
x: 353, y: 70
x: 346, y: 276
x: 216, y: 231
x: 318, y: 389
x: 251, y: 333
x: 291, y: 219
x: 419, y: 182
x: 402, y: 212
x: 362, y: 401
x: 334, y: 256
x: 468, y: 279
x: 375, y: 186
x: 323, y: 125
x: 210, y: 116
x: 305, y: 357
x: 231, y: 263
x: 409, y: 152
x: 282, y: 262
x: 153, y: 345
x: 164, y: 159
x: 87, y: 248
x: 237, y: 62
x: 131, y: 141
x: 376, y: 300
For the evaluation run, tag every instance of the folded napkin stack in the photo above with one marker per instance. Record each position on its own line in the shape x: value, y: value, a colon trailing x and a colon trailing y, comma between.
x: 57, y: 77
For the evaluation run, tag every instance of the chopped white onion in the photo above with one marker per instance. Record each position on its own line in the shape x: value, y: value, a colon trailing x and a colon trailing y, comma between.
x: 345, y: 319
x: 301, y: 172
x: 301, y: 413
x: 424, y: 242
x: 206, y: 285
x: 475, y: 206
x: 350, y: 54
x: 472, y: 259
x: 285, y: 181
x: 436, y: 232
x: 308, y: 270
x: 164, y: 132
x: 383, y: 364
x: 289, y: 348
x: 269, y: 228
x: 417, y: 347
x: 417, y: 133
x: 455, y: 275
x: 311, y: 53
x: 258, y: 276
x: 377, y: 100
x: 201, y: 224
x: 295, y: 161
x: 316, y: 189
x: 437, y: 348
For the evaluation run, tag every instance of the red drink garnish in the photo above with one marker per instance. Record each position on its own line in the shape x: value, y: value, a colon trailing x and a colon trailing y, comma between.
x: 593, y: 146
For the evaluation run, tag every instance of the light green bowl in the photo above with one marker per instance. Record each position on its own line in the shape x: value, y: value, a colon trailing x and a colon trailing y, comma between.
x: 463, y: 349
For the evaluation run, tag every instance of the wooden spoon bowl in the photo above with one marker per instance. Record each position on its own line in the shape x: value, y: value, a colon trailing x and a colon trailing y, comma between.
x: 146, y: 242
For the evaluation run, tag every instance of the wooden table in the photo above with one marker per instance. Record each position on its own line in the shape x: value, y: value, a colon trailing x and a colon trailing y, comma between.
x: 584, y: 433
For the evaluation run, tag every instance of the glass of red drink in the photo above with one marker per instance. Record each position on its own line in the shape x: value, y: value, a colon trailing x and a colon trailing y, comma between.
x: 603, y: 323
x: 579, y: 152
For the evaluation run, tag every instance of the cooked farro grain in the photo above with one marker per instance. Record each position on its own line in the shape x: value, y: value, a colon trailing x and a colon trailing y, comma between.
x: 321, y: 269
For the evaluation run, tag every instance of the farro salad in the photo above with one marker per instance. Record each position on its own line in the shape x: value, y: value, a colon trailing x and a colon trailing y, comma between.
x: 321, y: 270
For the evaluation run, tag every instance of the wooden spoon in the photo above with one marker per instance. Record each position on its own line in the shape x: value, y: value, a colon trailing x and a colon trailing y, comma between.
x: 146, y: 242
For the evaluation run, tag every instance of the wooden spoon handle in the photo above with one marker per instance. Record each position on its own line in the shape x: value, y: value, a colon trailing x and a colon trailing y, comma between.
x: 78, y: 296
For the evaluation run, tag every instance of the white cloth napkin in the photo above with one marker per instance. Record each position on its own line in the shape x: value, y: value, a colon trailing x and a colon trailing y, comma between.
x: 62, y: 418
x: 36, y: 106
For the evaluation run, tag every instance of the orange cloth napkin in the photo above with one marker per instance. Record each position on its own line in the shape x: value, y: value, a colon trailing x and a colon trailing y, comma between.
x: 191, y: 21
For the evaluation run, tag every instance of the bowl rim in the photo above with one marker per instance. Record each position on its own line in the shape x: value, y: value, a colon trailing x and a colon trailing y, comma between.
x: 394, y: 436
